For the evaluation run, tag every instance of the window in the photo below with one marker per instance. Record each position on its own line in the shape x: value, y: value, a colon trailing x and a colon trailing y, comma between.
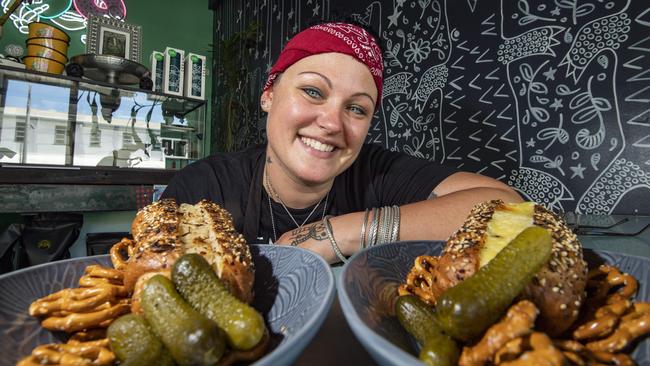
x: 21, y: 125
x: 127, y: 138
x: 95, y: 137
x: 60, y: 135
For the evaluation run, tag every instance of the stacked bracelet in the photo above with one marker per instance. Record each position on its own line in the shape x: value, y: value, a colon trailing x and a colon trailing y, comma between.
x: 383, y: 228
x: 330, y: 236
x: 362, y: 241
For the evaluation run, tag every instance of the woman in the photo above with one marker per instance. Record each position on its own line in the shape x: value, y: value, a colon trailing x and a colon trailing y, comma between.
x: 316, y: 184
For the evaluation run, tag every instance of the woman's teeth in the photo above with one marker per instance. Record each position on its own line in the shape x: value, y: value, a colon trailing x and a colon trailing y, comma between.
x: 317, y: 145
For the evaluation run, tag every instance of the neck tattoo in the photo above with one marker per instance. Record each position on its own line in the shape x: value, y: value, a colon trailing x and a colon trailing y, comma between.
x: 271, y: 192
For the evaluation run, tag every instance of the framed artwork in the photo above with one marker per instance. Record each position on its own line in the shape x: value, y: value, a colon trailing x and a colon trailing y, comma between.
x: 110, y: 36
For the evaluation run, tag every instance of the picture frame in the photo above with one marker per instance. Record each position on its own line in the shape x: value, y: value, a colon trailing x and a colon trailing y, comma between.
x: 110, y: 36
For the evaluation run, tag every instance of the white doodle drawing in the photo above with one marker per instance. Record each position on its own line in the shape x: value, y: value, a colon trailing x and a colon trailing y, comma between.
x: 540, y: 187
x: 551, y: 96
x: 606, y: 32
x: 605, y: 193
x: 538, y: 41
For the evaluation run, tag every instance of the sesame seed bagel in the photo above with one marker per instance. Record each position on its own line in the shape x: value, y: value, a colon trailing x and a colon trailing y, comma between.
x: 163, y: 231
x: 557, y: 289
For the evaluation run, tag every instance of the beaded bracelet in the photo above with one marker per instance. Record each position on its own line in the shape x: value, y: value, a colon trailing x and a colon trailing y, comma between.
x: 330, y: 235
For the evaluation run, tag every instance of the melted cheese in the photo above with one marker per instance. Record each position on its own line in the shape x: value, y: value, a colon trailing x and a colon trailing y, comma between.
x: 505, y: 225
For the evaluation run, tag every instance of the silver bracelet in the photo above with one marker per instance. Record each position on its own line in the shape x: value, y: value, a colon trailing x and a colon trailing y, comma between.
x: 330, y: 235
x: 362, y: 241
x: 372, y: 234
x: 396, y: 224
x: 386, y: 222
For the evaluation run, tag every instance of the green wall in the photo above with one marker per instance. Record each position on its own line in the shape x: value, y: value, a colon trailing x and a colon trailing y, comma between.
x: 182, y: 24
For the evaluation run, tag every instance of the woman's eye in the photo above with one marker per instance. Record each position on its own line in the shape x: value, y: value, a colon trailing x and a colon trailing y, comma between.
x: 358, y: 110
x: 314, y: 93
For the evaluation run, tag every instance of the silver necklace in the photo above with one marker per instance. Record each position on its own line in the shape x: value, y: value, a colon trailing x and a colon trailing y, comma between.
x: 272, y: 192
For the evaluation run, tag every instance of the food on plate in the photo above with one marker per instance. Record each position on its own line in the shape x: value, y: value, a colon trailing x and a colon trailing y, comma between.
x: 100, y: 300
x: 418, y: 318
x: 486, y: 292
x: 557, y: 289
x: 466, y: 310
x: 201, y: 318
x: 190, y: 337
x: 83, y: 348
x: 134, y: 343
x: 164, y: 231
x: 199, y: 285
x: 518, y: 321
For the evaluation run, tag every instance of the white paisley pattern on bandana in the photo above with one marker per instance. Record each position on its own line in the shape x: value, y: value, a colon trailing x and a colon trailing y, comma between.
x: 360, y: 41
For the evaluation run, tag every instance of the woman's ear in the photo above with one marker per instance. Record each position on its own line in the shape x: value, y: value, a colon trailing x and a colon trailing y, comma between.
x: 266, y: 100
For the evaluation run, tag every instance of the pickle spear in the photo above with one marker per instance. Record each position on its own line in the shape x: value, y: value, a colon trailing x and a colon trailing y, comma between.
x: 466, y: 310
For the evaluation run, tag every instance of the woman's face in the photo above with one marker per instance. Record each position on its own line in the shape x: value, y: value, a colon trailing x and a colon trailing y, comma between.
x: 319, y: 112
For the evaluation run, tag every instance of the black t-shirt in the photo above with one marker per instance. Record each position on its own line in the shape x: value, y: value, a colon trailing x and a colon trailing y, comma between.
x: 377, y: 178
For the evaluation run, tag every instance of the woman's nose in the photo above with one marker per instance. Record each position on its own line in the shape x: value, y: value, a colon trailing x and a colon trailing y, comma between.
x: 331, y: 120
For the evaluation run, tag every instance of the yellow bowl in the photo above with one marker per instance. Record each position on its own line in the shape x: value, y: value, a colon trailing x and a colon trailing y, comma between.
x: 38, y: 29
x: 43, y: 51
x: 53, y: 43
x: 43, y: 64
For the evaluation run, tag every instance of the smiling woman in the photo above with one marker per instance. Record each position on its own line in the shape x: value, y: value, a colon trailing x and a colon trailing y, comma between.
x: 315, y: 184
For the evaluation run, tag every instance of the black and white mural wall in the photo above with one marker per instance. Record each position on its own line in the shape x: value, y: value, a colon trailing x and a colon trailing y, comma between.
x: 550, y: 96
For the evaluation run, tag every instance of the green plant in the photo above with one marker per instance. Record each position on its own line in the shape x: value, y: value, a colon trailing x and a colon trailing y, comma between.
x: 236, y: 104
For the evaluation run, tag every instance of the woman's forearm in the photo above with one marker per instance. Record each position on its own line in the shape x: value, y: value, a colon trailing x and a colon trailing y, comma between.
x: 434, y: 219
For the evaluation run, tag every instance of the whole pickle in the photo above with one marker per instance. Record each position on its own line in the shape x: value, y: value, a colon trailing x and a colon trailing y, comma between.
x: 418, y: 318
x: 135, y: 344
x: 197, y: 282
x: 192, y: 339
x: 466, y: 310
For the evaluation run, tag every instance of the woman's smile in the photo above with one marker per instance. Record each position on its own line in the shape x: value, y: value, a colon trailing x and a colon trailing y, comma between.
x: 317, y: 145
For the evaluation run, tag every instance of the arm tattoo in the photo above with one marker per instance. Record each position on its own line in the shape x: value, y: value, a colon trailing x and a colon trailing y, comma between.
x: 314, y: 231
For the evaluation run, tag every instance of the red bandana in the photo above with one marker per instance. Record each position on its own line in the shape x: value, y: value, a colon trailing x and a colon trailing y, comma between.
x: 332, y: 37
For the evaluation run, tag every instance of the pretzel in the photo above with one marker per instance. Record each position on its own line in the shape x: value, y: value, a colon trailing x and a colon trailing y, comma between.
x: 599, y: 357
x: 580, y: 355
x: 124, y: 246
x: 420, y: 280
x: 613, y: 280
x: 542, y: 352
x: 95, y: 352
x: 102, y: 316
x: 605, y: 321
x: 519, y: 321
x: 80, y: 299
x: 632, y: 326
x: 510, y: 351
x: 97, y: 275
x: 89, y: 335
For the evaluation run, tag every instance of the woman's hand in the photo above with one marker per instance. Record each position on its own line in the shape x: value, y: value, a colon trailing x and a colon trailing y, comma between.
x: 314, y: 237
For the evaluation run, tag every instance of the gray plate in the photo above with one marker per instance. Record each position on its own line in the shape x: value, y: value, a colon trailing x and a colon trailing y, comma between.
x: 294, y: 289
x: 368, y: 289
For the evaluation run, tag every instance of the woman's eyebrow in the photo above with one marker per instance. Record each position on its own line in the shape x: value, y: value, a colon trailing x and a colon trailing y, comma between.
x: 328, y: 81
x: 364, y: 94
